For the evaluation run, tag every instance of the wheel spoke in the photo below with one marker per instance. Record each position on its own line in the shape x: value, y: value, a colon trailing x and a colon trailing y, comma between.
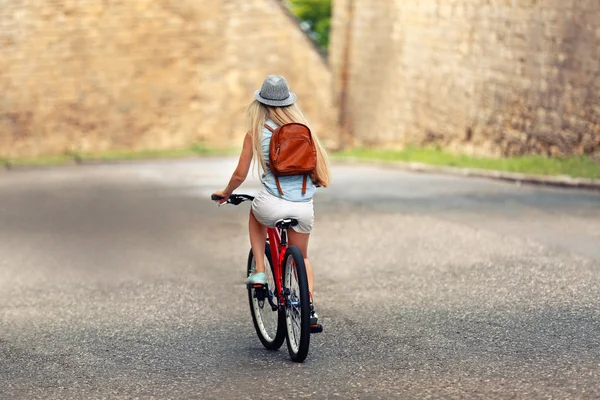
x: 266, y: 318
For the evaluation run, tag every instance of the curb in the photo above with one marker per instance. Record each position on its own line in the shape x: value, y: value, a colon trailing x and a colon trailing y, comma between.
x: 77, y: 160
x: 516, y: 177
x: 7, y: 167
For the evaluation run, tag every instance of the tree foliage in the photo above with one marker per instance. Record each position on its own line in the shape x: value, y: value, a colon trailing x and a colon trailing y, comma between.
x: 316, y: 14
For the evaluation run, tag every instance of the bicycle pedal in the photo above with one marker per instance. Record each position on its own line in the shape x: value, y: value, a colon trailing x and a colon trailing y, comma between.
x: 316, y: 328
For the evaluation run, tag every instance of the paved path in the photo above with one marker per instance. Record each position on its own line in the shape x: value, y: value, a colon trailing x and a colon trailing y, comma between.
x: 123, y: 281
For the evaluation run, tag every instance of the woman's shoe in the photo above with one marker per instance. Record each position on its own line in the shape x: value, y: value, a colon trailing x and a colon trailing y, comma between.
x: 257, y: 278
x: 315, y: 326
x: 314, y: 317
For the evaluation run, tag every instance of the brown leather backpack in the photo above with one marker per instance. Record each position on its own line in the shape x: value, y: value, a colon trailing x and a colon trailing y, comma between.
x: 292, y: 152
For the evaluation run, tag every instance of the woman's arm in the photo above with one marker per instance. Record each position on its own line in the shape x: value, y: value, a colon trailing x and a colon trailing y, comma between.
x: 241, y: 172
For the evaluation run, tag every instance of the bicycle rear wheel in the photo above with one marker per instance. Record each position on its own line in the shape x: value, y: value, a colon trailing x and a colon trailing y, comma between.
x: 297, y: 307
x: 269, y: 324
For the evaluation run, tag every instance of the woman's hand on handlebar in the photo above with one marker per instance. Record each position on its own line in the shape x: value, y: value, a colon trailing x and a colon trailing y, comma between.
x: 220, y: 196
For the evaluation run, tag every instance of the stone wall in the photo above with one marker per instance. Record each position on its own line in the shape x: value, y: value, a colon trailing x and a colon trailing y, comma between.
x: 500, y: 77
x: 96, y: 75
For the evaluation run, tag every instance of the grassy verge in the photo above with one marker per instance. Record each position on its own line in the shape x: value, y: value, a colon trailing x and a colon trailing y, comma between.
x: 71, y: 157
x: 581, y: 167
x: 42, y: 160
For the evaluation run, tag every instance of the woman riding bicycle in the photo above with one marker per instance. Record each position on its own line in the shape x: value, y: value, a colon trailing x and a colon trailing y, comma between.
x: 273, y: 107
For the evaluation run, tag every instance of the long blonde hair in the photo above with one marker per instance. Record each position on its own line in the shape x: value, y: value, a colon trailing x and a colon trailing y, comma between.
x: 259, y: 113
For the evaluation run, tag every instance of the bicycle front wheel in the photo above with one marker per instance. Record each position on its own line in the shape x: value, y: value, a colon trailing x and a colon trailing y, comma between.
x: 297, y: 306
x: 269, y: 323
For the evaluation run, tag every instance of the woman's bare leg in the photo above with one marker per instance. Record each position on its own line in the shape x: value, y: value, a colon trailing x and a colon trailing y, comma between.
x: 258, y: 236
x: 300, y: 240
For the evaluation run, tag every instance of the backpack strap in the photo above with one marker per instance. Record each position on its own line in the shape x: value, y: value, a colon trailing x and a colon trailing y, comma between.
x: 278, y: 185
x: 281, y: 191
x: 304, y: 185
x: 269, y: 128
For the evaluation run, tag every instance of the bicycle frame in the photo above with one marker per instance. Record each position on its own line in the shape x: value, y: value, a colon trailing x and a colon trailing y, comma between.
x: 278, y: 248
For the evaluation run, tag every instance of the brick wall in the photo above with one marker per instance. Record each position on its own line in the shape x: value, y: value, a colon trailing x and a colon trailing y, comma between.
x: 97, y: 75
x: 497, y: 77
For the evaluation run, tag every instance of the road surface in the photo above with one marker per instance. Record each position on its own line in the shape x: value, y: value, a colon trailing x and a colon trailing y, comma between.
x: 123, y: 281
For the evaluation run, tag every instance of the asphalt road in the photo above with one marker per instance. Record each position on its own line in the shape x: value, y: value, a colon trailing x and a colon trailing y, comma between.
x: 124, y: 281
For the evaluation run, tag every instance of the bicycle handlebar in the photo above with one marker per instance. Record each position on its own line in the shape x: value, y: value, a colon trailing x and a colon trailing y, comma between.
x: 234, y: 199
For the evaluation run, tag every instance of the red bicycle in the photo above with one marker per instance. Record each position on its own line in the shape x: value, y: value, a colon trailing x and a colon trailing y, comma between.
x: 280, y: 308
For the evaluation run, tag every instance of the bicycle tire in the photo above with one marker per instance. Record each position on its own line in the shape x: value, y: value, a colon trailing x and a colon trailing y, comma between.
x: 297, y: 307
x: 273, y: 339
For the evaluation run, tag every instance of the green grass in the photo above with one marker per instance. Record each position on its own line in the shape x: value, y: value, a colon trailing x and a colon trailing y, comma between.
x: 70, y: 157
x: 37, y: 161
x: 582, y: 166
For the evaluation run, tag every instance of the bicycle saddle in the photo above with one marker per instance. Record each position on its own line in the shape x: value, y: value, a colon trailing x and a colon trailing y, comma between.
x: 286, y: 223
